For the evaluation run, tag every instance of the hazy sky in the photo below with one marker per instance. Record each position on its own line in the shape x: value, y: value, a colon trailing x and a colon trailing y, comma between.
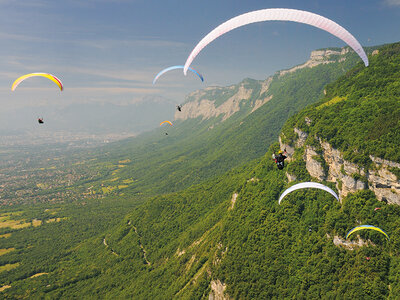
x: 109, y: 51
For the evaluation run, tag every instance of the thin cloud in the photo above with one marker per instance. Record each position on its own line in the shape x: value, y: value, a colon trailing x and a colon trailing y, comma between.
x: 23, y: 38
x: 392, y: 2
x: 99, y: 44
x: 113, y: 90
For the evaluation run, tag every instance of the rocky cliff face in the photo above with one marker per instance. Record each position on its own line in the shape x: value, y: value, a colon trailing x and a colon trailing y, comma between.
x: 317, y: 57
x: 327, y: 164
x: 203, y: 102
x: 226, y: 101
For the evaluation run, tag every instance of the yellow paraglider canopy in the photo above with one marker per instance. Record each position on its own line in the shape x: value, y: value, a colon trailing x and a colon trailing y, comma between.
x: 362, y: 227
x: 46, y: 75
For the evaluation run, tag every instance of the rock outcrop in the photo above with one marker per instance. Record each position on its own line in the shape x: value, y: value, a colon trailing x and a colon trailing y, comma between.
x: 217, y: 291
x: 349, y: 177
x: 317, y: 57
x: 203, y: 102
x: 350, y: 245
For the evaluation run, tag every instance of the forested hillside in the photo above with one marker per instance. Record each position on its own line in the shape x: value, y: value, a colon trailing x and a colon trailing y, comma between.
x: 200, y: 147
x: 227, y: 235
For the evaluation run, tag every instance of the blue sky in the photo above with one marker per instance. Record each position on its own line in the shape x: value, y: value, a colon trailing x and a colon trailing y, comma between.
x: 110, y: 50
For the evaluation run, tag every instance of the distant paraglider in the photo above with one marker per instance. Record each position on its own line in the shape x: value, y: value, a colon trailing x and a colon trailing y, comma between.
x: 306, y: 185
x: 279, y: 14
x: 40, y: 121
x: 174, y: 68
x: 369, y: 227
x: 168, y: 122
x: 179, y: 107
x: 46, y: 75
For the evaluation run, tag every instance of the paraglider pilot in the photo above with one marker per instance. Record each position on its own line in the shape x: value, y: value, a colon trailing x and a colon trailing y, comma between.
x: 280, y: 159
x: 40, y: 120
x: 179, y: 107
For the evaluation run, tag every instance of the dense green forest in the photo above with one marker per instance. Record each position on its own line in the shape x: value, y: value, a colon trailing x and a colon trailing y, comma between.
x: 360, y: 113
x: 174, y: 245
x: 221, y: 220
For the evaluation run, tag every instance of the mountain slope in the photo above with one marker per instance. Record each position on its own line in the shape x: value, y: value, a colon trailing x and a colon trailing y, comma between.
x: 204, y: 144
x: 228, y: 235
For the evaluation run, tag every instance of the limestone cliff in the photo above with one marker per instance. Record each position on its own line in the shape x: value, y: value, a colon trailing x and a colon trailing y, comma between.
x: 206, y: 103
x: 317, y: 57
x: 226, y: 101
x: 325, y: 163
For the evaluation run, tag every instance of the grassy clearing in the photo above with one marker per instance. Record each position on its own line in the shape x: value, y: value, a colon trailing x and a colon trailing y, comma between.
x: 36, y: 223
x: 127, y: 181
x: 108, y: 189
x: 38, y: 274
x: 52, y: 211
x: 5, y: 251
x: 14, y: 224
x: 55, y: 220
x: 4, y: 287
x: 8, y: 267
x: 125, y: 161
x: 334, y: 100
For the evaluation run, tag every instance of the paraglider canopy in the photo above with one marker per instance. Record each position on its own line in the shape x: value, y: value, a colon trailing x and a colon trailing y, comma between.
x: 279, y: 14
x: 46, y: 75
x: 306, y: 185
x: 168, y: 122
x: 174, y: 68
x: 369, y: 227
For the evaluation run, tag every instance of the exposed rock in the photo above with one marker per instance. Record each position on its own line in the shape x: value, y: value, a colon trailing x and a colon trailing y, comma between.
x: 313, y: 167
x: 203, y: 104
x: 206, y: 108
x: 265, y: 85
x: 253, y: 179
x: 217, y: 290
x: 218, y: 258
x: 382, y: 182
x: 380, y: 161
x: 289, y: 149
x: 302, y: 136
x: 260, y: 102
x: 375, y: 52
x: 290, y: 177
x: 317, y: 57
x: 350, y: 185
x: 345, y: 50
x: 179, y: 252
x: 350, y: 245
x: 233, y: 201
x: 307, y: 119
